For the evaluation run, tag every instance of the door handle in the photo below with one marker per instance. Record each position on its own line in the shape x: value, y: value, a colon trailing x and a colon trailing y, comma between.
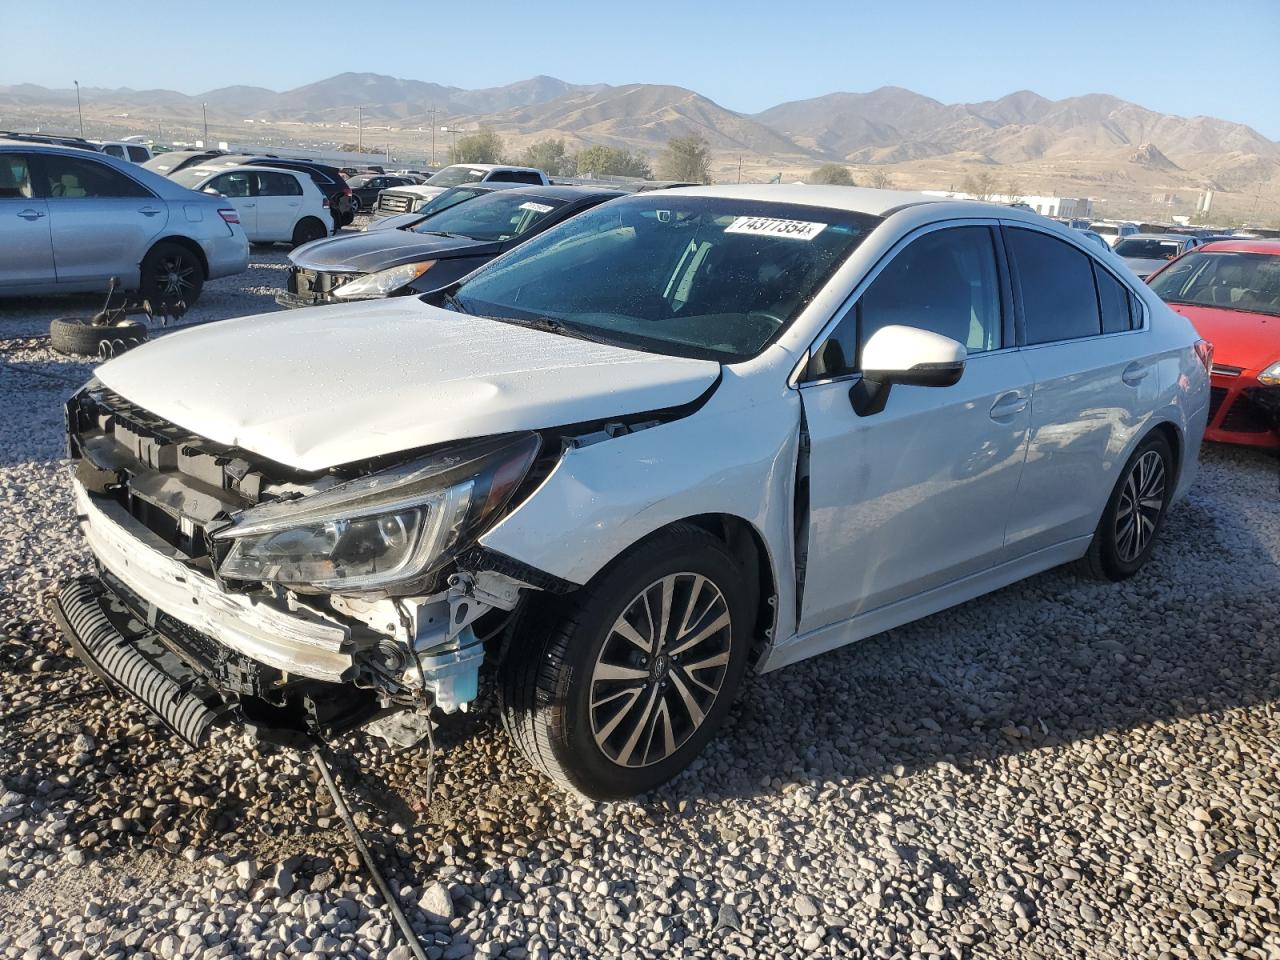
x: 31, y: 214
x: 148, y: 211
x: 1009, y: 405
x: 1135, y: 373
x: 249, y: 204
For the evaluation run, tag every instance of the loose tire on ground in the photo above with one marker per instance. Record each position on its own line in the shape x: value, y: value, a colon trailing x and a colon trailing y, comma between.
x: 78, y: 338
x: 171, y: 272
x: 555, y: 647
x: 1111, y: 556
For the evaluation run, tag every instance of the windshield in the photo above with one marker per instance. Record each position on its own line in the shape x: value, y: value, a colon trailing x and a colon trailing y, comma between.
x: 1105, y: 229
x: 191, y: 176
x: 1146, y: 249
x: 711, y: 277
x: 1234, y: 281
x: 450, y: 198
x: 455, y: 175
x: 495, y: 217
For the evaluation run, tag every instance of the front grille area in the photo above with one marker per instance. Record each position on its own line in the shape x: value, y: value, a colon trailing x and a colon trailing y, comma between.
x: 1244, y: 416
x: 1216, y: 396
x: 390, y: 203
x: 170, y: 480
x: 315, y: 283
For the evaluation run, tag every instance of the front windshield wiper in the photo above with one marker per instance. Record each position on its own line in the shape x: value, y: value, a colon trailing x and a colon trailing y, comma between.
x: 441, y: 233
x: 1223, y: 306
x: 453, y: 303
x: 558, y: 327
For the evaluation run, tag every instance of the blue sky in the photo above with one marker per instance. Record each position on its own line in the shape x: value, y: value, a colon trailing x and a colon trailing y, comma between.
x: 1179, y: 56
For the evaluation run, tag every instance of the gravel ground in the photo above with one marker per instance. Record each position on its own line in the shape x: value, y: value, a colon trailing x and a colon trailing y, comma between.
x: 1060, y: 769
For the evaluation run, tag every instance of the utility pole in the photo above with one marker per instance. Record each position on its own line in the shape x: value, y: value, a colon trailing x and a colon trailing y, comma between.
x: 78, y: 113
x: 739, y: 169
x: 360, y: 129
x: 204, y: 112
x: 433, y: 134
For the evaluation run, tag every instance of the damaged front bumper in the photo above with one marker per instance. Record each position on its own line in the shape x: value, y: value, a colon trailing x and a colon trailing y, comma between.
x: 198, y: 657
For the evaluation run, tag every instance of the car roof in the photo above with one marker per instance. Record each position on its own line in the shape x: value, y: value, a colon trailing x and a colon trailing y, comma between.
x: 855, y: 199
x: 251, y: 168
x: 491, y: 166
x: 1269, y: 247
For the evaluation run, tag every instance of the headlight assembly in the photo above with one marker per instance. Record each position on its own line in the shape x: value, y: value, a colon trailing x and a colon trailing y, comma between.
x: 382, y: 531
x: 374, y: 285
x: 1271, y: 376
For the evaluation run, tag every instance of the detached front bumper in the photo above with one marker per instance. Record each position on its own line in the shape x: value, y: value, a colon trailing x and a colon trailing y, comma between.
x: 311, y: 288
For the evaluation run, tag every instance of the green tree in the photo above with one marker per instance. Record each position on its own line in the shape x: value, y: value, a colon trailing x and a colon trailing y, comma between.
x: 686, y: 158
x: 483, y: 146
x: 833, y: 173
x: 548, y: 156
x: 600, y: 161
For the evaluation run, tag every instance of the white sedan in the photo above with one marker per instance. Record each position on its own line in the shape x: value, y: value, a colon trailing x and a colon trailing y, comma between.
x: 275, y: 205
x: 680, y: 436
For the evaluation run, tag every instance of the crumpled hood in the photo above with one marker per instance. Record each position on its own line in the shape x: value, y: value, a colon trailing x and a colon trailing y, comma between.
x: 380, y: 249
x: 324, y: 386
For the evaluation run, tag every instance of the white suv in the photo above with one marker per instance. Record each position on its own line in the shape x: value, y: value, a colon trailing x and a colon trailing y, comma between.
x: 410, y: 199
x: 275, y: 205
x: 679, y: 436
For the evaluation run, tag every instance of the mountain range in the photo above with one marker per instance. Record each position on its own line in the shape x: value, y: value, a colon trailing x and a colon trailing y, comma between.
x: 889, y: 126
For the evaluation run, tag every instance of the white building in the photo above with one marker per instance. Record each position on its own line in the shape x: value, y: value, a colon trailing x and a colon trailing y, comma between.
x: 1064, y: 207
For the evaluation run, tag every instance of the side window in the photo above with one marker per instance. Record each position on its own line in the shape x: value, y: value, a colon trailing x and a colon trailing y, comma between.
x: 1115, y: 301
x: 273, y: 184
x: 945, y: 281
x: 15, y: 177
x: 74, y: 178
x: 231, y: 185
x: 138, y: 154
x: 114, y: 149
x: 1056, y: 280
x: 526, y: 177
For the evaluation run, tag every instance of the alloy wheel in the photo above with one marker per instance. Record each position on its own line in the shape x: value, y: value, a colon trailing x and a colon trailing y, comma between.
x: 1141, y: 502
x: 174, y: 276
x: 660, y: 669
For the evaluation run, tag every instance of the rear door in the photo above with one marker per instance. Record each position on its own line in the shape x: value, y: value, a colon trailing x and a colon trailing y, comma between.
x: 279, y: 197
x: 26, y: 247
x: 1095, y: 385
x: 102, y: 222
x: 917, y: 495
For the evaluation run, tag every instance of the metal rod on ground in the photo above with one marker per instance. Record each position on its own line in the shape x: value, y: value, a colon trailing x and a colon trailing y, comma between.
x: 410, y: 937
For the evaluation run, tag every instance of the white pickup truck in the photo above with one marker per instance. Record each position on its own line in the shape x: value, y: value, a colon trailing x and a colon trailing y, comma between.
x: 409, y: 199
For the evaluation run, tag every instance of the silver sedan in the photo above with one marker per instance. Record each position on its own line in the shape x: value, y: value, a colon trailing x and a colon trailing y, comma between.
x: 72, y: 219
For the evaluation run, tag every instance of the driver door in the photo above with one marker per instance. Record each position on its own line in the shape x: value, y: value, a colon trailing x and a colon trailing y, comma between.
x: 916, y: 495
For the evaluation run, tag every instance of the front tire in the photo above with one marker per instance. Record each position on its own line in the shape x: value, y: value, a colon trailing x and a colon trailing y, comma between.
x: 308, y: 229
x: 1135, y: 513
x: 616, y: 688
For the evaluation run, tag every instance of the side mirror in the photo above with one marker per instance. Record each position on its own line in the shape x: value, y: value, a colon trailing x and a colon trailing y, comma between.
x: 212, y: 192
x: 906, y: 355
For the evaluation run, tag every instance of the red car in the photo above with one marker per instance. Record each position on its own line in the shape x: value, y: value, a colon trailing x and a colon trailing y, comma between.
x: 1230, y: 290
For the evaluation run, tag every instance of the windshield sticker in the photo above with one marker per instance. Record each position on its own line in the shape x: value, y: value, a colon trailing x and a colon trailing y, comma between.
x: 771, y: 227
x: 536, y: 207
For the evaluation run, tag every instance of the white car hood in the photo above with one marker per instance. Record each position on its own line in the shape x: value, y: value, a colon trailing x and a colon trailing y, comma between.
x: 319, y: 387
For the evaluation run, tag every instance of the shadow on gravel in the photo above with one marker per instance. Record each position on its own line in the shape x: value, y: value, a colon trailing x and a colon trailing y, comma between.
x: 1054, y: 659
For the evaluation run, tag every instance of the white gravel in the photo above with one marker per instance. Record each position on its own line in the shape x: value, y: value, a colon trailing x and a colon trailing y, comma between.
x: 1061, y: 769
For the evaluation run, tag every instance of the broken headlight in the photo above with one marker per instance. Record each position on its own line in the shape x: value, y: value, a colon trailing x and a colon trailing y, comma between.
x: 374, y: 285
x: 387, y: 528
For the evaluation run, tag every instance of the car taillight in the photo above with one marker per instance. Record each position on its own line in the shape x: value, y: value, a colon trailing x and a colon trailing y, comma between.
x: 326, y: 203
x: 1204, y: 350
x: 229, y: 215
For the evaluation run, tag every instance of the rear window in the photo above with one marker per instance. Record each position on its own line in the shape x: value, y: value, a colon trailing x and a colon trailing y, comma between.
x: 1147, y: 249
x: 456, y: 176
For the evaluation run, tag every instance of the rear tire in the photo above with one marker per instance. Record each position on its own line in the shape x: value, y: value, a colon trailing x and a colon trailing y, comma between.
x: 589, y: 696
x: 1135, y: 513
x: 171, y: 272
x: 81, y: 339
x: 308, y: 229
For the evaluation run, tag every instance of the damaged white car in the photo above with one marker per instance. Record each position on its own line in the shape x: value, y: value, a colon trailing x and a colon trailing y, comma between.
x: 682, y: 435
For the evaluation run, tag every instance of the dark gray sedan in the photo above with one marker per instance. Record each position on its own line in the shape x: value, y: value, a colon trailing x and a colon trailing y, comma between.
x: 433, y: 252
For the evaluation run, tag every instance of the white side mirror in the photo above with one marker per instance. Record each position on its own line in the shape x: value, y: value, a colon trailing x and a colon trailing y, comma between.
x: 906, y: 355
